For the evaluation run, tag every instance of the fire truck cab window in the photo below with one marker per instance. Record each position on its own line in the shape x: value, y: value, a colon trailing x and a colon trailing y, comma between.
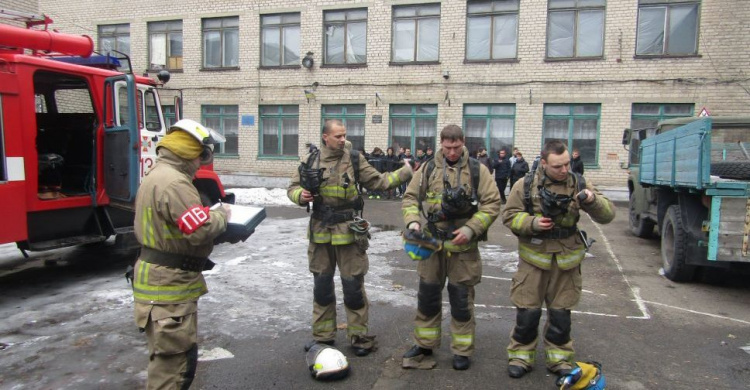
x: 66, y: 126
x: 153, y: 123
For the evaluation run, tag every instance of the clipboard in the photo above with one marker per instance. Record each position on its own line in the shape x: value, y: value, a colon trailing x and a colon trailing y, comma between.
x: 242, y: 223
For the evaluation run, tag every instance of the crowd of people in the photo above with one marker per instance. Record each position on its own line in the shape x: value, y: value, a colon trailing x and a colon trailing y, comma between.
x: 391, y: 162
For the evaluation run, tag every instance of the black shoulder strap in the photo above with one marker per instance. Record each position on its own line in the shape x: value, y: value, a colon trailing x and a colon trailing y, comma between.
x: 527, y: 180
x: 354, y: 155
x: 474, y: 169
x: 427, y: 169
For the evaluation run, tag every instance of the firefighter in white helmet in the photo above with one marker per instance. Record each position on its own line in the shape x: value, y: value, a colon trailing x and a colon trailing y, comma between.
x: 176, y: 233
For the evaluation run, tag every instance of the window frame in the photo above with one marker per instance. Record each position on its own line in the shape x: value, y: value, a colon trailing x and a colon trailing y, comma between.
x: 413, y: 116
x: 221, y: 31
x: 415, y: 18
x: 633, y: 156
x: 492, y: 14
x: 168, y: 49
x: 278, y: 115
x: 488, y: 129
x: 281, y: 25
x: 343, y: 117
x: 116, y: 34
x: 667, y: 4
x: 219, y: 150
x: 345, y: 23
x: 571, y: 116
x: 577, y: 9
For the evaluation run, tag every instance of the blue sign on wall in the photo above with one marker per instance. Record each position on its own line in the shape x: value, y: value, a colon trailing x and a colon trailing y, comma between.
x: 248, y: 120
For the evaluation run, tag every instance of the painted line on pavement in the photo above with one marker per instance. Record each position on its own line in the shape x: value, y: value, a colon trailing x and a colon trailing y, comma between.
x: 698, y: 312
x: 634, y: 290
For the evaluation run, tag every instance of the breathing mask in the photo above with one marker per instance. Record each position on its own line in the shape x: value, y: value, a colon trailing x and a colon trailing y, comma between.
x: 553, y: 204
x: 311, y: 178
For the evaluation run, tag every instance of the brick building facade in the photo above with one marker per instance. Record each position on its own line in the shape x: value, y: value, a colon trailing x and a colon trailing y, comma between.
x: 510, y: 72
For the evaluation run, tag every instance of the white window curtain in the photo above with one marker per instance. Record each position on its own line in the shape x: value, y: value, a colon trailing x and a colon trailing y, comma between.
x: 560, y: 41
x: 590, y: 34
x: 356, y: 40
x: 158, y: 50
x: 403, y: 40
x: 429, y: 40
x: 478, y: 38
x: 651, y: 30
x: 505, y: 36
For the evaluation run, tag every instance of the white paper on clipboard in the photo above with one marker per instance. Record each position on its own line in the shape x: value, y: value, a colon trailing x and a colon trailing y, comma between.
x: 249, y: 216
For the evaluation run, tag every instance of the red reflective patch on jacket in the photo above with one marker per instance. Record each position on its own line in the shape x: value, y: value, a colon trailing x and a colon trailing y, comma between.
x: 192, y: 219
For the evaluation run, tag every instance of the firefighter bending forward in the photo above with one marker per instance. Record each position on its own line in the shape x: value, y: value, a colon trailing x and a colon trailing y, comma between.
x: 176, y: 234
x: 543, y: 214
x: 336, y: 238
x: 458, y: 217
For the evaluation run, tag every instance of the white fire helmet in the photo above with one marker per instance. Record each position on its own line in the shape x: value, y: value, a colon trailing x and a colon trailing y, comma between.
x: 206, y: 136
x: 326, y: 362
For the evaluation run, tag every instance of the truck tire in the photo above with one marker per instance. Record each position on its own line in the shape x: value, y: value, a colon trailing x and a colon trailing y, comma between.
x: 640, y: 227
x: 731, y: 170
x: 673, y: 247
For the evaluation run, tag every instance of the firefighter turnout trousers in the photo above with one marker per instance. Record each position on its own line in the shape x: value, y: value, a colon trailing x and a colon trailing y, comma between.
x: 463, y: 271
x: 172, y: 335
x: 559, y: 290
x: 353, y: 265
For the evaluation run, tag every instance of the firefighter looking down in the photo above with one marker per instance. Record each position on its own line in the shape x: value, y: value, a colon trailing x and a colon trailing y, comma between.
x: 462, y: 202
x: 338, y: 235
x: 176, y: 234
x: 543, y: 210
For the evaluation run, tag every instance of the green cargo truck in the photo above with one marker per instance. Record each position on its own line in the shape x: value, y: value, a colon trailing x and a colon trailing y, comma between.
x: 690, y: 177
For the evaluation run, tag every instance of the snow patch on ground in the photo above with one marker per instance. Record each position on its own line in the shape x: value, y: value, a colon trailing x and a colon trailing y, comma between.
x: 214, y: 354
x: 261, y: 196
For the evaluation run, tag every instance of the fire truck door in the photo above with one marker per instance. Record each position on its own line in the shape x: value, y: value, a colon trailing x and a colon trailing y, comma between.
x: 121, y: 147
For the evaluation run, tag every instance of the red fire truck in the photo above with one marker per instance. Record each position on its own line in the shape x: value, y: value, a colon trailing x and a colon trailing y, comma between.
x: 76, y: 136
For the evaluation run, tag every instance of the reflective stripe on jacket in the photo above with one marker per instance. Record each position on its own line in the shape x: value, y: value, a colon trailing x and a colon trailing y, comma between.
x: 335, y: 192
x: 488, y: 196
x: 164, y: 200
x: 568, y: 252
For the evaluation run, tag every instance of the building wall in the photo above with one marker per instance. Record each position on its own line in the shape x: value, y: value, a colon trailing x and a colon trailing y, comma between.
x: 716, y: 79
x: 27, y: 6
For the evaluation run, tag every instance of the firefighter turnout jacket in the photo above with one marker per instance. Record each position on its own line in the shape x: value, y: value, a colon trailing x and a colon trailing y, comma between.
x: 478, y: 223
x: 170, y: 220
x: 534, y: 247
x: 338, y: 191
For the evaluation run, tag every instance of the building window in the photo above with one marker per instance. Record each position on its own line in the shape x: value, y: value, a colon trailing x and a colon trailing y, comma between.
x: 489, y: 126
x: 413, y: 126
x: 280, y: 40
x: 165, y: 44
x: 279, y: 131
x: 575, y: 28
x: 114, y: 37
x: 353, y: 117
x: 416, y: 33
x: 221, y: 42
x: 492, y: 30
x: 648, y: 115
x: 223, y: 119
x: 667, y: 27
x: 170, y: 117
x: 576, y: 125
x: 345, y: 36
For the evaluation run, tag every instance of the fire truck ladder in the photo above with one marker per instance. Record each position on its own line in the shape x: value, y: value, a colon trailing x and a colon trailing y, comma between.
x: 27, y: 18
